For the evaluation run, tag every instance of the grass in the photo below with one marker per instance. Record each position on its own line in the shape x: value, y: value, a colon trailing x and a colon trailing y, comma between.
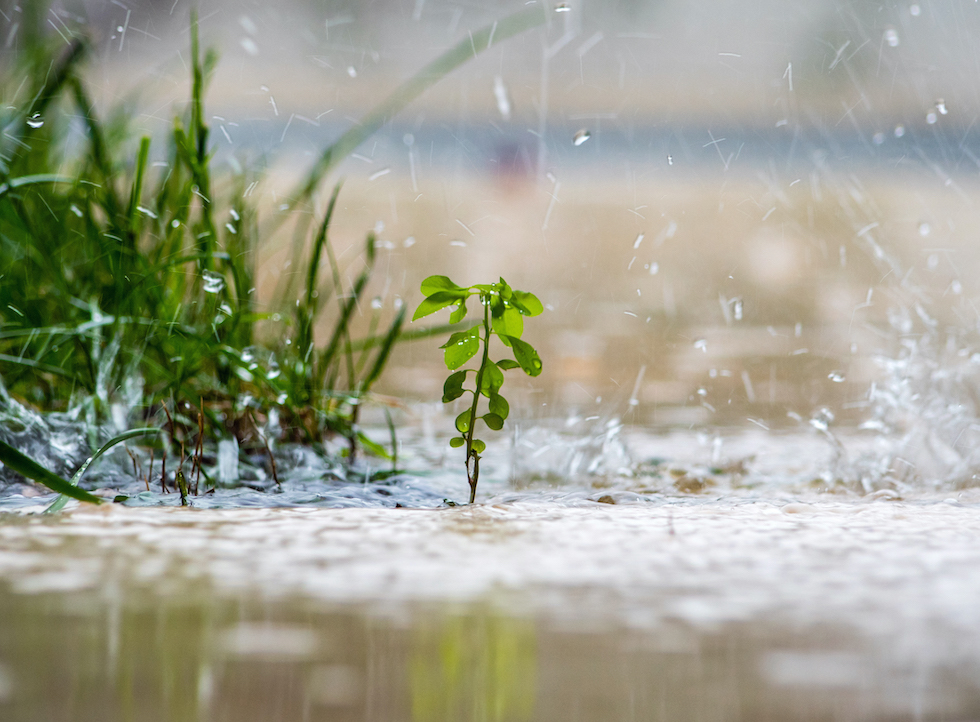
x: 126, y: 286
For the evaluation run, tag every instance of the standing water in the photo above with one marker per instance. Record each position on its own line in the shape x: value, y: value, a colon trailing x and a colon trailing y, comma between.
x: 744, y: 487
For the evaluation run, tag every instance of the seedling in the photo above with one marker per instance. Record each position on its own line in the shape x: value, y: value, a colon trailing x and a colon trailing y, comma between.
x: 503, y: 316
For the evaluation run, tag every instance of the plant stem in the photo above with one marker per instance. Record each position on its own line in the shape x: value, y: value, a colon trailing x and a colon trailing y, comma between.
x: 473, y: 472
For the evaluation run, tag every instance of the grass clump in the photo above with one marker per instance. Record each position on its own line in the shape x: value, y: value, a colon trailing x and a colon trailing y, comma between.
x: 127, y: 277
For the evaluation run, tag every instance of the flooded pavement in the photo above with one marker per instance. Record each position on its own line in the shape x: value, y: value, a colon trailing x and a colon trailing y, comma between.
x: 758, y: 595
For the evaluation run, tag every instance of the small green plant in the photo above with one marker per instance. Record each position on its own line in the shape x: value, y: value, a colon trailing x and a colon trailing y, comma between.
x: 504, y: 309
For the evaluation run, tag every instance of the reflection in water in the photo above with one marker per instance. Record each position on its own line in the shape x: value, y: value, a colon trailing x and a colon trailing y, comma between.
x: 480, y: 668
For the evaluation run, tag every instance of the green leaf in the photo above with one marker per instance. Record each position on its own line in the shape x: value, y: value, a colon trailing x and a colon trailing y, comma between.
x: 507, y: 364
x: 26, y: 466
x: 509, y: 323
x: 435, y: 302
x: 463, y: 422
x: 499, y: 406
x: 461, y: 347
x: 59, y: 503
x: 527, y: 303
x: 457, y: 441
x: 453, y: 388
x: 493, y: 421
x: 526, y: 356
x: 435, y: 284
x: 459, y: 314
x: 478, y: 446
x: 493, y: 379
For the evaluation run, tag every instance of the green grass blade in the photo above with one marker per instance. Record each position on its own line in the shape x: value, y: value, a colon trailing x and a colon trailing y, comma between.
x: 59, y: 503
x: 26, y: 466
x: 431, y: 74
x: 382, y: 358
x: 29, y: 180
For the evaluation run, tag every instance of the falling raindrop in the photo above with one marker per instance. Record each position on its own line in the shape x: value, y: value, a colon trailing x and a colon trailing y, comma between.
x: 737, y: 308
x: 941, y: 107
x: 175, y: 223
x: 581, y: 136
x: 932, y: 263
x: 654, y: 267
x: 899, y: 131
x: 915, y: 10
x: 924, y: 229
x: 352, y: 71
x: 35, y: 121
x: 562, y: 8
x: 234, y: 214
x: 638, y: 241
x: 956, y: 287
x: 701, y: 344
x: 837, y: 377
x: 931, y: 117
x: 213, y: 283
x: 878, y: 138
x: 231, y: 229
x: 273, y: 370
x: 891, y: 37
x: 670, y: 160
x: 376, y: 303
x: 76, y: 210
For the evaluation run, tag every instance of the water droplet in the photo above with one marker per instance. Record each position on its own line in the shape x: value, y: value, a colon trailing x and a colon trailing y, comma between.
x: 273, y: 370
x: 175, y: 223
x: 956, y: 287
x: 408, y: 139
x: 701, y: 344
x: 76, y: 210
x: 225, y: 309
x: 878, y: 138
x: 899, y: 131
x: 248, y: 354
x: 837, y: 377
x: 924, y: 229
x: 915, y: 10
x: 941, y: 107
x: 737, y: 308
x: 654, y: 267
x: 562, y: 8
x: 281, y: 398
x: 670, y: 160
x: 639, y: 240
x: 231, y: 229
x: 234, y: 214
x: 213, y: 283
x: 581, y: 136
x: 932, y: 263
x: 891, y: 37
x: 119, y: 28
x: 276, y: 317
x: 409, y: 242
x: 352, y: 71
x: 35, y: 121
x: 376, y: 303
x: 931, y: 117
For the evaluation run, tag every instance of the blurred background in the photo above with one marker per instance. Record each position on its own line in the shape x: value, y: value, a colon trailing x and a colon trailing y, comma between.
x: 736, y: 213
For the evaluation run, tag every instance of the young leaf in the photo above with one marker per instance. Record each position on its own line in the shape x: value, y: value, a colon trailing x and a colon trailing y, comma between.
x: 453, y: 388
x: 435, y: 284
x: 526, y: 356
x: 509, y: 323
x: 493, y: 421
x: 493, y: 379
x: 459, y: 314
x: 478, y: 446
x: 435, y: 302
x: 527, y: 303
x: 26, y: 466
x: 461, y: 347
x: 499, y: 406
x: 507, y: 364
x: 457, y: 441
x: 463, y: 422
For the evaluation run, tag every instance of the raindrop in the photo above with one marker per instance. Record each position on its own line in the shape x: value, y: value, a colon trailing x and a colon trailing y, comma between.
x: 931, y: 117
x: 915, y: 10
x: 638, y: 241
x: 580, y: 137
x: 737, y: 308
x: 837, y: 377
x: 352, y: 71
x: 891, y: 37
x: 35, y: 121
x: 274, y: 370
x: 119, y: 28
x: 213, y: 283
x: 408, y: 139
x: 409, y: 242
x: 76, y: 210
x: 941, y: 107
x: 249, y: 46
x: 932, y: 263
x: 175, y: 223
x: 562, y: 8
x: 654, y: 267
x: 376, y: 303
x: 702, y: 392
x: 281, y: 398
x: 248, y: 354
x: 878, y: 138
x: 276, y: 317
x: 701, y: 344
x: 924, y: 229
x: 670, y: 160
x: 899, y: 131
x: 956, y: 287
x: 234, y: 215
x: 231, y: 229
x: 500, y: 94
